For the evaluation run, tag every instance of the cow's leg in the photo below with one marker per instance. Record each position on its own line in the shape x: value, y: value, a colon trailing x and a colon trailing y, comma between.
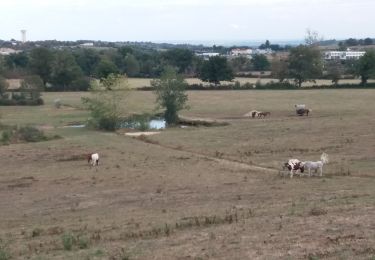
x: 321, y: 171
x: 291, y: 173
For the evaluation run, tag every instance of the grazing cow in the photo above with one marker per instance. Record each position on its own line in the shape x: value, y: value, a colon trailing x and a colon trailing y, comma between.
x: 263, y: 114
x: 309, y: 165
x: 301, y: 110
x: 294, y: 165
x: 93, y: 159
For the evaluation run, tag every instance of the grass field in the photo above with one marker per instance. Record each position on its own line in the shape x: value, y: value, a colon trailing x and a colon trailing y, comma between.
x: 196, y: 192
x: 144, y: 82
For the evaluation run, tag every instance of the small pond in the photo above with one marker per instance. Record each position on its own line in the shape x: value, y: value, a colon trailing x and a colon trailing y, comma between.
x: 156, y: 123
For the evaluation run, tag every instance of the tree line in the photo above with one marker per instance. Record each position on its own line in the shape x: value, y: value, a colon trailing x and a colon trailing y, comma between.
x: 70, y: 69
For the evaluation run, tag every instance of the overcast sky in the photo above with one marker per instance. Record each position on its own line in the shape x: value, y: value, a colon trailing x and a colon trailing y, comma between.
x: 185, y: 20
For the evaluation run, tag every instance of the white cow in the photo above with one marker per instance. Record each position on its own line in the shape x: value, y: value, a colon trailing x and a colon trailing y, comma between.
x: 93, y: 159
x: 309, y: 165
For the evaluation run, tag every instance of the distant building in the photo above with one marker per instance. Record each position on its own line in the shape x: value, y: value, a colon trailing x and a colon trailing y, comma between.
x: 207, y: 55
x: 8, y: 51
x: 241, y: 52
x: 343, y: 55
x: 263, y: 51
x: 87, y: 44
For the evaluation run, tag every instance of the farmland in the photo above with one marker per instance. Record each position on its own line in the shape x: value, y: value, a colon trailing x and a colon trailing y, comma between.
x: 195, y: 192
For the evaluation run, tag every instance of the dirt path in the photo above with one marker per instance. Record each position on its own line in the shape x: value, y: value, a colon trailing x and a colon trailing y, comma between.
x: 225, y: 162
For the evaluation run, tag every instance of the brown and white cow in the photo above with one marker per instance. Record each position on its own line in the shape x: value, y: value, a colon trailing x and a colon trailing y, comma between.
x: 293, y: 165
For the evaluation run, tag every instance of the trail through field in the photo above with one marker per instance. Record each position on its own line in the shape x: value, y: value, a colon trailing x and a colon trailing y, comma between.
x: 225, y: 162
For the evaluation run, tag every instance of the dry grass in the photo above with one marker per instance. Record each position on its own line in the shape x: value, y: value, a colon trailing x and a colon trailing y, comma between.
x: 195, y: 193
x: 144, y: 82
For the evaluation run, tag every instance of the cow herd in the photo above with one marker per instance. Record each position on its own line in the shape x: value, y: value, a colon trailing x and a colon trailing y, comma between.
x: 295, y: 165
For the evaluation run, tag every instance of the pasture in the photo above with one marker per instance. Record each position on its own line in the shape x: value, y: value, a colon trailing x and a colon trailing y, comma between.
x: 196, y: 192
x: 145, y: 82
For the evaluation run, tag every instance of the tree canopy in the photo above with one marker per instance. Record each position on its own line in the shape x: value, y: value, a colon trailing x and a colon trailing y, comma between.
x: 170, y: 94
x: 216, y: 69
x: 305, y: 64
x: 366, y: 66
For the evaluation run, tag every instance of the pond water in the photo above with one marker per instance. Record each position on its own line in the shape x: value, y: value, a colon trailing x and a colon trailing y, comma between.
x: 75, y: 126
x: 157, y: 124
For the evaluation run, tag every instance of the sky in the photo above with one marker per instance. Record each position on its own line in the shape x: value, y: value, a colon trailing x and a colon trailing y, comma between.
x: 184, y: 21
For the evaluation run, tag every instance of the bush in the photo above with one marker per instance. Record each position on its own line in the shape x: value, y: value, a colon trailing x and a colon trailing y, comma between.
x: 4, y: 255
x: 68, y: 241
x: 83, y: 242
x: 31, y: 134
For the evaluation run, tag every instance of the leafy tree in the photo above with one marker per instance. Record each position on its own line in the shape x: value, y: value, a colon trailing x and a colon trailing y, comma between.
x: 304, y: 64
x: 312, y: 38
x: 216, y: 69
x: 41, y: 61
x: 17, y: 60
x: 170, y: 94
x: 342, y: 46
x: 279, y: 69
x: 351, y: 42
x: 104, y: 103
x: 131, y: 65
x: 179, y: 58
x: 366, y: 66
x: 368, y: 41
x: 32, y: 86
x: 88, y: 60
x: 241, y: 63
x: 334, y: 71
x: 106, y: 67
x: 3, y: 86
x: 65, y: 71
x: 260, y: 62
x: 265, y: 45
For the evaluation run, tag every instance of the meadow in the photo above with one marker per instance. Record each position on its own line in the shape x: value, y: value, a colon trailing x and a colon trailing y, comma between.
x: 195, y: 192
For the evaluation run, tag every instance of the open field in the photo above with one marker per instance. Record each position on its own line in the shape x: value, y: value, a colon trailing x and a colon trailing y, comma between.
x: 196, y: 192
x: 144, y: 82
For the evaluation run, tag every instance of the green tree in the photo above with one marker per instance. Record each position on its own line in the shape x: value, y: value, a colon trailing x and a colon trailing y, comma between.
x: 368, y: 41
x: 279, y: 69
x: 88, y: 60
x: 170, y: 94
x: 366, y: 66
x: 41, y: 61
x: 3, y: 86
x: 304, y: 64
x: 260, y: 62
x: 240, y: 63
x: 17, y: 60
x: 334, y: 71
x: 180, y: 58
x: 65, y: 71
x: 131, y: 65
x: 32, y: 86
x: 104, y: 103
x: 105, y: 67
x: 216, y: 69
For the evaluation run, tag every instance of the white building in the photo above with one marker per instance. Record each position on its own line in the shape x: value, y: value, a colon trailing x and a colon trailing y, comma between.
x: 241, y: 52
x: 8, y: 51
x: 207, y: 55
x: 343, y: 55
x: 87, y: 44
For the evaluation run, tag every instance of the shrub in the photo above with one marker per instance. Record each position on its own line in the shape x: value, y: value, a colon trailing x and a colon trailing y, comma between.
x: 31, y: 134
x: 4, y: 255
x: 68, y: 241
x: 6, y: 136
x: 170, y: 94
x: 104, y: 106
x: 83, y: 242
